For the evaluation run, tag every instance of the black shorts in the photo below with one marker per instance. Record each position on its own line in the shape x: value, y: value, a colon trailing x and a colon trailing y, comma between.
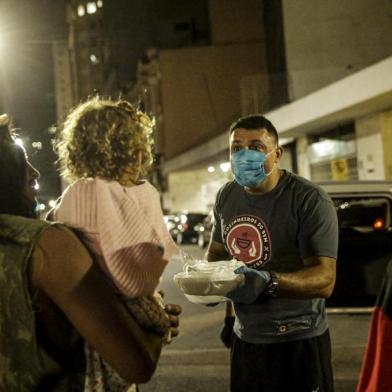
x: 301, y: 365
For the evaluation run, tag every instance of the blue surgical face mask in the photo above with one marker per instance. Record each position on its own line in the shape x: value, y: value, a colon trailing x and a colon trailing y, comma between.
x: 248, y: 167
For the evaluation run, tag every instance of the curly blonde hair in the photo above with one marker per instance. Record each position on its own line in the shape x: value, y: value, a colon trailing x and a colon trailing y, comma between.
x: 106, y: 139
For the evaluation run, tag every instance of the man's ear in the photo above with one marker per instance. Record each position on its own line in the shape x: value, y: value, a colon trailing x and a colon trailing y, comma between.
x: 278, y: 154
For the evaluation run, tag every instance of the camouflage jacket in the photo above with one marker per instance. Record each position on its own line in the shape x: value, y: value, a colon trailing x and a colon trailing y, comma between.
x: 28, y: 360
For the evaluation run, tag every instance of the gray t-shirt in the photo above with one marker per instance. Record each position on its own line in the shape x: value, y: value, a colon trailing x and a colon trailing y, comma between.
x: 277, y: 231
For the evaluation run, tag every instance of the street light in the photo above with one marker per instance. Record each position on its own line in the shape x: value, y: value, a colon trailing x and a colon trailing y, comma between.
x: 225, y: 167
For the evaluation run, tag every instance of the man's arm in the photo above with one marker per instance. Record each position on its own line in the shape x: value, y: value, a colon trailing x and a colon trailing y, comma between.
x: 316, y: 280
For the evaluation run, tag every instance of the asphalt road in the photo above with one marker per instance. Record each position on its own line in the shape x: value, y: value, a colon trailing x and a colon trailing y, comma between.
x: 196, y: 361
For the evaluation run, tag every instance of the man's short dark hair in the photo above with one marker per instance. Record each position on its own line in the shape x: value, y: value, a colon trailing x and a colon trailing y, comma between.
x: 255, y: 121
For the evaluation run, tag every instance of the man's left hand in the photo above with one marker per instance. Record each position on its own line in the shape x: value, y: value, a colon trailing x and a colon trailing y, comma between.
x: 255, y: 284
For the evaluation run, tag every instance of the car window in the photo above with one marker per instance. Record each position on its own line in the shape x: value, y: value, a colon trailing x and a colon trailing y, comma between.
x: 363, y: 213
x: 195, y: 218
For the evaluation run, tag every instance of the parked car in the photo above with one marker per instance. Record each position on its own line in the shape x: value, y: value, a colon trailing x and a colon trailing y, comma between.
x: 364, y: 210
x: 171, y: 221
x: 182, y: 226
x: 204, y: 230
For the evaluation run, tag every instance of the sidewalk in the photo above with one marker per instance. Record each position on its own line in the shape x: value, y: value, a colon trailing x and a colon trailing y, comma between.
x: 191, y: 371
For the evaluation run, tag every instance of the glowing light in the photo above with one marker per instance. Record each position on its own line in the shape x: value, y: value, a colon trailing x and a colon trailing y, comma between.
x: 52, y: 203
x: 94, y: 59
x: 211, y: 169
x: 183, y: 218
x: 378, y: 224
x: 91, y: 7
x: 19, y: 142
x: 170, y: 225
x: 37, y: 145
x: 81, y: 10
x: 42, y: 206
x: 225, y: 167
x: 36, y: 186
x: 100, y: 3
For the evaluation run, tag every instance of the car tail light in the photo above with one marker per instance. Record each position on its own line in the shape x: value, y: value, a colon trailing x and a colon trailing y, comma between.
x: 379, y: 224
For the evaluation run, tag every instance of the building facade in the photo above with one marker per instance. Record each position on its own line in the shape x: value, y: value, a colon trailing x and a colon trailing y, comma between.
x: 335, y: 123
x: 318, y: 70
x: 195, y: 92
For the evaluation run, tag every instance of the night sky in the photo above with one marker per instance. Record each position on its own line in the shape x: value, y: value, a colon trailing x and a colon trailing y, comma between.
x: 27, y: 28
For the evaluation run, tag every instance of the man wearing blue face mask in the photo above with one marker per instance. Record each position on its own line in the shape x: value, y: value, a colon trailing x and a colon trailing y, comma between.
x: 284, y: 228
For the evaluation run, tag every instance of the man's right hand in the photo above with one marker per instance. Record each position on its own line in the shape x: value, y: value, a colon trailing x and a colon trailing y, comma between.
x: 226, y: 334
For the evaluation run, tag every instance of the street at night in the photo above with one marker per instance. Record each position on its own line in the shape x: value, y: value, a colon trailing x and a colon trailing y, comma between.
x: 256, y: 134
x: 196, y: 360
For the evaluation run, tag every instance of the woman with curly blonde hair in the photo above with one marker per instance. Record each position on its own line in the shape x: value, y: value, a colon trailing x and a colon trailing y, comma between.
x: 104, y: 149
x: 106, y: 139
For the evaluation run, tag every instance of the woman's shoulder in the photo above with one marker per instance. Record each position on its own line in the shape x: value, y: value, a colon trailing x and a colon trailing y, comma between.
x: 82, y: 184
x: 144, y: 188
x: 77, y: 200
x: 78, y: 190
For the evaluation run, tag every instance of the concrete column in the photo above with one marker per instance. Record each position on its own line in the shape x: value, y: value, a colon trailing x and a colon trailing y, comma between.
x: 370, y: 150
x: 386, y: 132
x: 302, y: 156
x: 286, y: 161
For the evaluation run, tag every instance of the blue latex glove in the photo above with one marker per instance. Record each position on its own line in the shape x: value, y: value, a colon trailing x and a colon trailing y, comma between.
x: 255, y: 284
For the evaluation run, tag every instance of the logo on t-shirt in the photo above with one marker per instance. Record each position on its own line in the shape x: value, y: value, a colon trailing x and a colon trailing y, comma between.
x: 247, y: 239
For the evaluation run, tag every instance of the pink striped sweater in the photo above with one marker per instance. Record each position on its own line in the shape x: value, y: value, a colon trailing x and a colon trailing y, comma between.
x: 123, y: 227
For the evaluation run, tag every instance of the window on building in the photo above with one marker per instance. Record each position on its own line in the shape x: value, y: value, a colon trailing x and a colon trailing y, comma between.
x: 333, y: 154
